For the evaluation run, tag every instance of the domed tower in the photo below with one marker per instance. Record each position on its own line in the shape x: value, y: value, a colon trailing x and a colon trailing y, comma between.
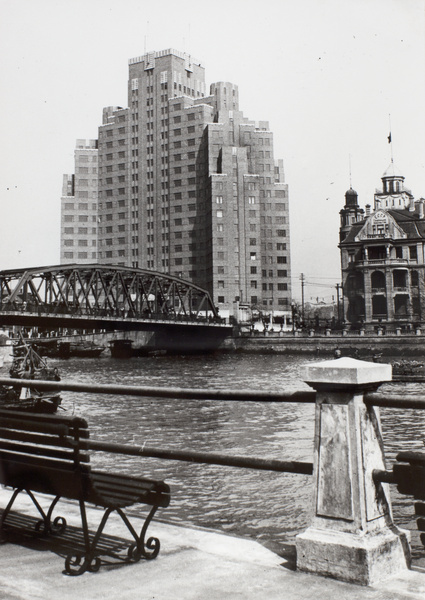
x: 393, y: 194
x: 350, y: 214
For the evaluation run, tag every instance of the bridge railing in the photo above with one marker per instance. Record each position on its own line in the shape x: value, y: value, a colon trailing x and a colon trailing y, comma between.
x: 352, y: 535
x: 121, y: 314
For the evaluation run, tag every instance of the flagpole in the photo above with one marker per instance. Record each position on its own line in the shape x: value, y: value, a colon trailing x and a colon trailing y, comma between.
x: 390, y: 139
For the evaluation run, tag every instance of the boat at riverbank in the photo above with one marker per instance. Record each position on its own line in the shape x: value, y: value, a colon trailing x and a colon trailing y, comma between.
x: 22, y: 399
x: 28, y: 364
x: 83, y: 349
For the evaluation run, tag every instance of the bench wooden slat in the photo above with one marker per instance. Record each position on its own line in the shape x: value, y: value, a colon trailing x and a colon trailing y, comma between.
x: 52, y: 428
x: 35, y: 438
x: 103, y: 475
x: 32, y: 418
x: 50, y: 479
x: 34, y: 462
x: 111, y: 492
x: 412, y: 457
x: 41, y: 451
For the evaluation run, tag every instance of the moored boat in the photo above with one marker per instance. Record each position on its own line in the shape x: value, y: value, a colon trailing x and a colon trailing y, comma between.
x: 28, y: 364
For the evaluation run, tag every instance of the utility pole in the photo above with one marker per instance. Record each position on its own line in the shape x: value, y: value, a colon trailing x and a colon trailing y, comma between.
x: 302, y: 279
x: 337, y: 302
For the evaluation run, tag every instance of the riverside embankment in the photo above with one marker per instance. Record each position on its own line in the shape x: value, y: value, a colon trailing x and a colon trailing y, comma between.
x: 361, y: 346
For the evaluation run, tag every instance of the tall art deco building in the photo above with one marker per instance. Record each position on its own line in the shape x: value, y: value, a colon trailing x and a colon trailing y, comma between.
x: 190, y: 187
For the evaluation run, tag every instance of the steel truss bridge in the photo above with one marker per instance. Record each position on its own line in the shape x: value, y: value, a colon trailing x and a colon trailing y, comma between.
x: 104, y: 297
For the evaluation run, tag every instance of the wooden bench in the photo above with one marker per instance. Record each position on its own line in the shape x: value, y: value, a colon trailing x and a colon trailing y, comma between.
x: 48, y: 454
x: 409, y: 474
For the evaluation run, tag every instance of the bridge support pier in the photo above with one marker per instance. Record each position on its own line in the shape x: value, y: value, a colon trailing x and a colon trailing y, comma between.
x: 352, y: 536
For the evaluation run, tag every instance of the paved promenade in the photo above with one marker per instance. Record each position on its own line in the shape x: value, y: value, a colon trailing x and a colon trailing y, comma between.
x: 193, y: 564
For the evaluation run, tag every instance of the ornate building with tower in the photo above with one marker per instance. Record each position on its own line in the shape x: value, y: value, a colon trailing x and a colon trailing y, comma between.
x: 383, y: 257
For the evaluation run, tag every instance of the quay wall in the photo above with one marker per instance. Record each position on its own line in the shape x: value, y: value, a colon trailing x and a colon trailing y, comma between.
x: 349, y: 345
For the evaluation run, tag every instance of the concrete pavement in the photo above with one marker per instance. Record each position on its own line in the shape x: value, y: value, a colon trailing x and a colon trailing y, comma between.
x: 193, y: 564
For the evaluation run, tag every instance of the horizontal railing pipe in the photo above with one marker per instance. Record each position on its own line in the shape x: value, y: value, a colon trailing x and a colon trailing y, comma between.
x: 308, y: 397
x: 381, y: 476
x: 265, y: 464
x: 394, y: 400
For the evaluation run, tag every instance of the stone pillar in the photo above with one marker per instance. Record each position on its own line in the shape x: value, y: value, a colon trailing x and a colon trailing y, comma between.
x: 367, y: 296
x: 389, y: 284
x: 352, y: 536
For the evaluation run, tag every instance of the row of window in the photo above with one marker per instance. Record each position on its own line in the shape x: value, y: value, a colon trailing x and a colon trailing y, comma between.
x: 281, y: 287
x: 254, y: 300
x: 81, y: 218
x: 79, y: 242
x: 79, y: 255
x: 80, y: 206
x: 80, y: 230
x: 86, y: 170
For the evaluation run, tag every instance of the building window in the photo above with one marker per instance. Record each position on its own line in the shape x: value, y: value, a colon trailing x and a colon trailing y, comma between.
x: 413, y: 252
x: 253, y: 255
x: 219, y: 214
x: 220, y: 299
x: 219, y: 199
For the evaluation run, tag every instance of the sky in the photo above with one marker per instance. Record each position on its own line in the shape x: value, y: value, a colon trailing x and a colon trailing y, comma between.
x: 330, y: 77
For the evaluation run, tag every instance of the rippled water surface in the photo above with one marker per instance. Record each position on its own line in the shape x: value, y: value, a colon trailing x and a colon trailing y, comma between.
x: 270, y: 507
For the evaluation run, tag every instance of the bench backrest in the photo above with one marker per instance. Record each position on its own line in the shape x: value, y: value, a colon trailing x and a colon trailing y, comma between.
x: 41, y: 452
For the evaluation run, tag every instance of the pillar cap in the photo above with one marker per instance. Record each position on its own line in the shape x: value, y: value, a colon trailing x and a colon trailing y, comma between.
x: 346, y: 371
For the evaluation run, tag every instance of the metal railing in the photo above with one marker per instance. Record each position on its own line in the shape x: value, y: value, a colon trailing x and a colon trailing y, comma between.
x: 305, y: 397
x: 335, y: 479
x: 302, y: 468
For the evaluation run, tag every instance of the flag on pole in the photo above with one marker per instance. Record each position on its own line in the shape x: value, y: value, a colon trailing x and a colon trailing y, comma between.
x: 389, y: 138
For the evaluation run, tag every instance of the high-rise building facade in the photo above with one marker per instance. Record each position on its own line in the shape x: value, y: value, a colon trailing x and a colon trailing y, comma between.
x: 190, y: 187
x: 79, y: 207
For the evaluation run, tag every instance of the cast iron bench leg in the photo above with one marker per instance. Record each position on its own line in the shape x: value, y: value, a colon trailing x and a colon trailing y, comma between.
x: 45, y: 524
x: 79, y: 562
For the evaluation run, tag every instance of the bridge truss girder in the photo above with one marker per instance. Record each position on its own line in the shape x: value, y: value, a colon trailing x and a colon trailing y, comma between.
x: 103, y: 290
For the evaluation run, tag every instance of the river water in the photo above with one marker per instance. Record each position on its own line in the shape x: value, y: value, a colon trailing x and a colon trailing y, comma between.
x: 269, y: 507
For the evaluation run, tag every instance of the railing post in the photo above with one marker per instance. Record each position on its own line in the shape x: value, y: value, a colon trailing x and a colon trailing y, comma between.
x: 352, y: 536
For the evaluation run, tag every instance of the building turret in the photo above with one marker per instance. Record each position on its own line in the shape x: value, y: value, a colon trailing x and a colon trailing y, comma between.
x: 393, y: 193
x: 350, y: 214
